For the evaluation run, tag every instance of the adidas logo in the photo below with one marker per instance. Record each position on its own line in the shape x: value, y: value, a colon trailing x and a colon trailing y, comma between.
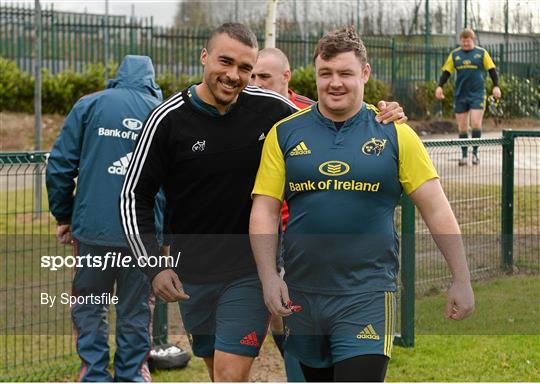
x: 119, y: 167
x: 368, y: 333
x: 251, y: 340
x: 262, y: 137
x: 301, y: 149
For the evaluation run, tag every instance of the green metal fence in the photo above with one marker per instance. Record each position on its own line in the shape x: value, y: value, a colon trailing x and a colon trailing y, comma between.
x: 497, y: 204
x: 36, y: 341
x: 72, y: 40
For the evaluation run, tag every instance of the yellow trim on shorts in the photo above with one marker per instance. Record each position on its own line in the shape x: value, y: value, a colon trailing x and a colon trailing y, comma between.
x: 389, y: 313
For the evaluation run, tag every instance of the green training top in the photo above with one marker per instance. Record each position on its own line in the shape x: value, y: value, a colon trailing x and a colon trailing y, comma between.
x: 342, y: 187
x: 470, y: 67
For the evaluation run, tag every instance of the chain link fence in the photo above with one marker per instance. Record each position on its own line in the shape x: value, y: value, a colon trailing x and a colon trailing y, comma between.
x: 496, y: 203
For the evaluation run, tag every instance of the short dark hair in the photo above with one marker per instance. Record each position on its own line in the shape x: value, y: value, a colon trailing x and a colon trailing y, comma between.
x: 235, y: 31
x: 341, y: 41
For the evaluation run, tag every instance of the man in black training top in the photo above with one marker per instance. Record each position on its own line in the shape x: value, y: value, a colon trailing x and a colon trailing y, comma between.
x: 203, y: 145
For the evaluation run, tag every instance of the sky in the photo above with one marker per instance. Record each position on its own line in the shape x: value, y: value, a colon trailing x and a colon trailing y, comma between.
x: 163, y: 11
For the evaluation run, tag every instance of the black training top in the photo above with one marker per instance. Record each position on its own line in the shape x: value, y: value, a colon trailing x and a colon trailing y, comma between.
x: 207, y: 165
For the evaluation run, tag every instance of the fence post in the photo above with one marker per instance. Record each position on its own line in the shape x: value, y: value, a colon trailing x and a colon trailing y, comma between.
x: 105, y: 23
x: 306, y: 50
x: 507, y: 201
x: 427, y: 71
x: 53, y: 36
x: 393, y: 76
x: 37, y: 105
x: 150, y: 45
x: 132, y: 37
x: 407, y: 271
x: 502, y: 58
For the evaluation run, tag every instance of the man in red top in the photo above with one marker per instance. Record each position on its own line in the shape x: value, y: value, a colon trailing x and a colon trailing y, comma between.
x: 299, y: 100
x: 272, y: 71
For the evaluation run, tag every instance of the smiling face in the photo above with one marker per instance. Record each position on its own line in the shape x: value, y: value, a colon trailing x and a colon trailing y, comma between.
x: 227, y: 70
x: 340, y: 85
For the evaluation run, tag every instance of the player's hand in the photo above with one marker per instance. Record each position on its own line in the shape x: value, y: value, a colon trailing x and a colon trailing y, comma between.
x: 167, y: 286
x: 496, y: 92
x: 166, y: 250
x: 276, y: 294
x: 63, y: 233
x: 390, y: 111
x: 460, y: 301
x: 439, y: 94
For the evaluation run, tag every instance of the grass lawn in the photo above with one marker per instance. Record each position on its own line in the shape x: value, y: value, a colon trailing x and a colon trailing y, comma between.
x: 500, y: 342
x: 468, y: 358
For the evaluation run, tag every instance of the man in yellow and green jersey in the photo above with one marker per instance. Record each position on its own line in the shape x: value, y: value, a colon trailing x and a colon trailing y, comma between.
x: 470, y: 63
x: 342, y: 173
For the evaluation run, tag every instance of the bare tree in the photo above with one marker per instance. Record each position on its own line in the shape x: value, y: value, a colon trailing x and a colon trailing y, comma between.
x: 386, y: 17
x: 380, y: 23
x: 479, y: 20
x: 439, y: 20
x: 270, y: 24
x: 193, y: 13
x: 530, y: 23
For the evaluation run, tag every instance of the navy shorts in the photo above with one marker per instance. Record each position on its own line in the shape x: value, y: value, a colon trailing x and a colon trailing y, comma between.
x: 465, y: 104
x: 229, y: 317
x: 333, y: 328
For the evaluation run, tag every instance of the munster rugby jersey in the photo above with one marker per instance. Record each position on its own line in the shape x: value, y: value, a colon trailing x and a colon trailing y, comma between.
x: 342, y: 186
x: 470, y: 67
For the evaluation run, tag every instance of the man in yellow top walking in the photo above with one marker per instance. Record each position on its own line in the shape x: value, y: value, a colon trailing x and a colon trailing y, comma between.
x: 470, y: 63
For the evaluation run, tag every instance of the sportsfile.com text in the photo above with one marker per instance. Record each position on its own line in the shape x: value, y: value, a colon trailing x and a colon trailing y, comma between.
x: 109, y: 260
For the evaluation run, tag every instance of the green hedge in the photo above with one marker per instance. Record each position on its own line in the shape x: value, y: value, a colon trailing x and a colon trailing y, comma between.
x: 16, y: 88
x: 519, y: 97
x: 303, y: 82
x: 61, y: 91
x: 170, y: 84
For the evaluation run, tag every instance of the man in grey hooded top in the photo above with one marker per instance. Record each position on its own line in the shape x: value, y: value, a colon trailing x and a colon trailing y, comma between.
x: 93, y: 151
